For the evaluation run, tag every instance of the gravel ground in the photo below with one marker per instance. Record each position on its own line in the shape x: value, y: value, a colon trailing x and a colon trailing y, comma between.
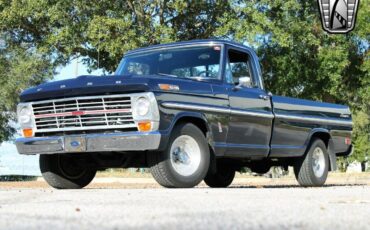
x: 108, y: 204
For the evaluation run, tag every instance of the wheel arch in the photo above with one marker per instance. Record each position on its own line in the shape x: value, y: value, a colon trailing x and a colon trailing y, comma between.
x: 199, y: 120
x: 324, y: 135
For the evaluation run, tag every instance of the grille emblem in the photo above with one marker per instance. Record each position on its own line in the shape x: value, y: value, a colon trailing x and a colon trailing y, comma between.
x: 78, y: 113
x: 338, y: 16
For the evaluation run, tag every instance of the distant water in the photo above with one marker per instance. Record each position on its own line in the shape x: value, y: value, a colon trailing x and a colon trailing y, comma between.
x: 12, y: 163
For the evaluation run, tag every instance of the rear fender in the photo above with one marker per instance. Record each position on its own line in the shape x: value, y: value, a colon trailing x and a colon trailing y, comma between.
x: 319, y: 132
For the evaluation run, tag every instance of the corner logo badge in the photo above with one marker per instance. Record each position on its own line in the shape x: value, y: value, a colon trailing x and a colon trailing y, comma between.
x: 338, y: 16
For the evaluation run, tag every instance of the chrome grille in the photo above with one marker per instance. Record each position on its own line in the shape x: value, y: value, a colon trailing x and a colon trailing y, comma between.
x: 83, y: 113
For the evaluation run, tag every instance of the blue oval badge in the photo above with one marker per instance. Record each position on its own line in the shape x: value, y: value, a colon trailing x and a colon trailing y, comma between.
x: 75, y: 144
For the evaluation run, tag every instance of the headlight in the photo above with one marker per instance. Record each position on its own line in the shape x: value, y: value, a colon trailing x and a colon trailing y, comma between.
x: 142, y: 106
x: 145, y: 111
x: 25, y: 115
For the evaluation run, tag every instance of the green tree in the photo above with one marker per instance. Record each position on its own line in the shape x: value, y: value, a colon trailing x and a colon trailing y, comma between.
x: 361, y: 134
x: 20, y: 67
x: 102, y: 30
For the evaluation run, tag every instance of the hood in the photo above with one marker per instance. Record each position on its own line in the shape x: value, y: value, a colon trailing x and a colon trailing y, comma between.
x: 98, y: 85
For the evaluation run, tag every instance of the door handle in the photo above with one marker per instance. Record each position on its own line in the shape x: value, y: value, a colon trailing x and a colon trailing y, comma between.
x: 264, y: 97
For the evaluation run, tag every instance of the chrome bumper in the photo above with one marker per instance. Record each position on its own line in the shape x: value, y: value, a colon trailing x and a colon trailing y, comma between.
x: 117, y: 142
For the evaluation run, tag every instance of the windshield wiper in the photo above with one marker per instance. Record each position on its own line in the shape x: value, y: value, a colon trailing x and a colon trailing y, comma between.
x: 166, y: 74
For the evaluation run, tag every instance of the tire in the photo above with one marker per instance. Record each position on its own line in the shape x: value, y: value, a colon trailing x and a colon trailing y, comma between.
x: 185, y: 161
x: 222, y: 178
x: 312, y: 169
x: 66, y: 172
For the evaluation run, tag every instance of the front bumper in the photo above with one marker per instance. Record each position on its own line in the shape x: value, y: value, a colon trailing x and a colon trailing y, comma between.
x: 113, y: 142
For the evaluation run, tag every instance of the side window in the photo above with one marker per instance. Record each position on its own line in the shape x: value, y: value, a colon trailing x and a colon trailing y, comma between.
x: 209, y: 71
x: 182, y: 72
x: 137, y: 68
x: 238, y: 65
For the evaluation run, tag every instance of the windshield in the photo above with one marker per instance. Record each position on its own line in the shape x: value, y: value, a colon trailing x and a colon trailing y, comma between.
x: 187, y: 62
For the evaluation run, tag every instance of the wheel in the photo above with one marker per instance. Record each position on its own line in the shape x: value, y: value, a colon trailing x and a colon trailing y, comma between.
x: 66, y: 172
x: 312, y: 169
x: 222, y: 178
x: 185, y: 162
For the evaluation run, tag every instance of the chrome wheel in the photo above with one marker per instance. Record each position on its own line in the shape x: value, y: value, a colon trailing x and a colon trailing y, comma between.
x: 318, y: 163
x: 185, y: 155
x: 312, y: 169
x: 185, y: 161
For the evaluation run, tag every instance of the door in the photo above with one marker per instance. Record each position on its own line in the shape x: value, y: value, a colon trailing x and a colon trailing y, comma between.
x: 251, y: 115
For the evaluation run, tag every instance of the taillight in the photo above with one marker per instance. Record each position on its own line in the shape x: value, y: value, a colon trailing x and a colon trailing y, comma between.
x: 347, y: 140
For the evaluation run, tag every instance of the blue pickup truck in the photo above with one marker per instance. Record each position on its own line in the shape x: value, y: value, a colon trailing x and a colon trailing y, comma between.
x: 189, y: 111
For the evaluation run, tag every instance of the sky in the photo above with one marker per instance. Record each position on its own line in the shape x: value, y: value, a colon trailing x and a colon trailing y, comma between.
x: 12, y: 163
x: 73, y: 70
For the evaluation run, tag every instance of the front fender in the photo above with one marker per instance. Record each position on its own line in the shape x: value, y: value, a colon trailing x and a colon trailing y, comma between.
x: 191, y: 117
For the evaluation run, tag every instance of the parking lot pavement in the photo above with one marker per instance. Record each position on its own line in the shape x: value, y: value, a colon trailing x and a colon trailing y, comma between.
x: 239, y: 207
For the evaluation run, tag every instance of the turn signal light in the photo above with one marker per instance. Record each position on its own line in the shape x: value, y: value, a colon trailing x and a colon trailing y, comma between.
x: 144, y: 126
x: 169, y: 87
x: 27, y: 132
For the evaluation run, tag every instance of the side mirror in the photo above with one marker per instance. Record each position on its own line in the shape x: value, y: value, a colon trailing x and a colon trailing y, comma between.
x: 244, y: 82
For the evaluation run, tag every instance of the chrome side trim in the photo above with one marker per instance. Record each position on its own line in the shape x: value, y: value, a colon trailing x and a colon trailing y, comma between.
x: 215, y: 109
x: 175, y: 105
x: 252, y: 113
x: 315, y: 119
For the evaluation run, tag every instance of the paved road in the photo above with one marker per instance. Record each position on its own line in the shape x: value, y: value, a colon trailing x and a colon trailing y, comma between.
x: 286, y: 207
